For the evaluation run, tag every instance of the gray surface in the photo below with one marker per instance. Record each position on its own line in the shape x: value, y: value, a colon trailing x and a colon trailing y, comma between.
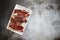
x: 44, y: 23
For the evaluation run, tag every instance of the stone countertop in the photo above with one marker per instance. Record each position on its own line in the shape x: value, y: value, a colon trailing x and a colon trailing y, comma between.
x: 44, y: 23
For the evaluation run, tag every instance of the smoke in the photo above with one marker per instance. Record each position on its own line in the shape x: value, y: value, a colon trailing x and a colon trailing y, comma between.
x: 41, y: 24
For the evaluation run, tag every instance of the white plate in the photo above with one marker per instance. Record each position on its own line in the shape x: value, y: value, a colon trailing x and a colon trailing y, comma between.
x: 24, y: 24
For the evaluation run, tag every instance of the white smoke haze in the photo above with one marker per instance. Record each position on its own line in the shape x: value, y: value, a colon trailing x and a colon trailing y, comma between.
x: 44, y: 23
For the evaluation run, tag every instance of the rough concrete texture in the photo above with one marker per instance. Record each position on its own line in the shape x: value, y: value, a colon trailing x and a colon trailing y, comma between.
x: 44, y: 23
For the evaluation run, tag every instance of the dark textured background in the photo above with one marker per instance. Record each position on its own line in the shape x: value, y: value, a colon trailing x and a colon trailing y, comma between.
x: 6, y: 7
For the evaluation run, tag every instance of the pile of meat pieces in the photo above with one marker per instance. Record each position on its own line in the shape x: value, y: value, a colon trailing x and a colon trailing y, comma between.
x: 19, y: 17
